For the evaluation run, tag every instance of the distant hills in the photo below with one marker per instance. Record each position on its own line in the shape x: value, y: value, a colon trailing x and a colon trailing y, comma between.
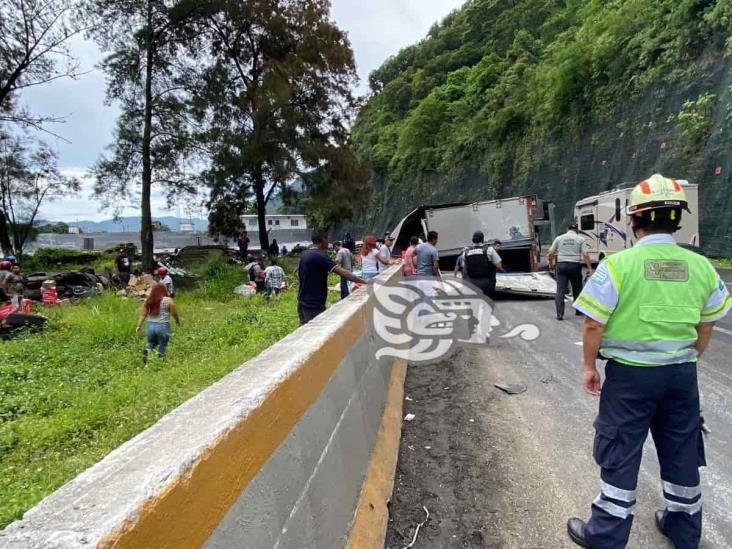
x: 133, y: 224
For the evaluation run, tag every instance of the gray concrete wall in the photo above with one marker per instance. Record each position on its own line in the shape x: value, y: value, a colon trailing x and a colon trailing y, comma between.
x: 179, y: 483
x: 164, y: 240
x: 306, y: 494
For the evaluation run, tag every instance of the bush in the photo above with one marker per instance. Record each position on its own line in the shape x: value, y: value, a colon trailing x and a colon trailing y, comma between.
x: 55, y: 259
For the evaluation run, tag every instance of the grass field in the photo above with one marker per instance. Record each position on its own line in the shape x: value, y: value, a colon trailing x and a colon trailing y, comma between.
x: 75, y: 392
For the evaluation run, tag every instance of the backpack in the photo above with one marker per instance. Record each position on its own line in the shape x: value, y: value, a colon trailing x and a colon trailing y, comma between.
x: 477, y: 264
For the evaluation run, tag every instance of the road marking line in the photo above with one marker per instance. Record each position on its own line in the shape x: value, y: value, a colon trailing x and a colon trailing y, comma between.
x: 723, y: 330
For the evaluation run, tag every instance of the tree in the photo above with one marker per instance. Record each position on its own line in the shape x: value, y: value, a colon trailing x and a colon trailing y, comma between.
x: 276, y: 101
x: 28, y: 178
x: 54, y: 228
x: 160, y: 226
x: 147, y: 72
x: 34, y: 36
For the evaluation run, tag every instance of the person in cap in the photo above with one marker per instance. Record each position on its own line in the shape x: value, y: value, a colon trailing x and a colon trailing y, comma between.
x: 480, y: 263
x: 124, y: 267
x: 164, y: 277
x: 567, y: 253
x: 650, y: 311
x: 385, y: 251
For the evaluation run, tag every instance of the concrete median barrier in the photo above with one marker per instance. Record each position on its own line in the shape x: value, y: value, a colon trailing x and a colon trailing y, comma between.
x: 290, y: 450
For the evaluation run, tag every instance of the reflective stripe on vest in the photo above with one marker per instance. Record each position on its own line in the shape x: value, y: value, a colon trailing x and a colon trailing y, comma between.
x: 662, y: 289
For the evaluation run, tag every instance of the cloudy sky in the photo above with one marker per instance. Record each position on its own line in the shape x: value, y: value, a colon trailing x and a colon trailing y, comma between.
x: 377, y: 29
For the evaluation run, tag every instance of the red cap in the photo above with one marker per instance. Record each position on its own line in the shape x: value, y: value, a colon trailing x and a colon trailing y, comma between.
x: 162, y: 271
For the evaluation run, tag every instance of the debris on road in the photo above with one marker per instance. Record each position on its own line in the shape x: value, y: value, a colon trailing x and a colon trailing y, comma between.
x: 539, y: 284
x: 409, y: 417
x: 515, y: 389
x: 419, y: 526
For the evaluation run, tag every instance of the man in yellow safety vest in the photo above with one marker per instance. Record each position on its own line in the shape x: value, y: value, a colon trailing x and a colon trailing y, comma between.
x: 649, y: 312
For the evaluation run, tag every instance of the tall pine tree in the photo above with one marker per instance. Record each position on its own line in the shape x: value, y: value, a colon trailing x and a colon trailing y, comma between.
x: 147, y: 70
x: 276, y: 102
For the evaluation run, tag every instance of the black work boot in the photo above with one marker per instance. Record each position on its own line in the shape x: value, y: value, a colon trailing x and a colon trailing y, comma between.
x: 576, y: 531
x: 660, y: 515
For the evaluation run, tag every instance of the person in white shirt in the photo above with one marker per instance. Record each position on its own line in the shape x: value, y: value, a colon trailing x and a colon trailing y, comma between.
x: 165, y: 278
x: 370, y: 258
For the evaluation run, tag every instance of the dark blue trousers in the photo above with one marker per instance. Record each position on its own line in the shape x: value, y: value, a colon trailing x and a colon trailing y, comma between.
x: 634, y: 400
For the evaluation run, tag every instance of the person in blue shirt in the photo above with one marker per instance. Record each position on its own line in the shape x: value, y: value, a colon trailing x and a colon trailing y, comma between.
x: 313, y: 270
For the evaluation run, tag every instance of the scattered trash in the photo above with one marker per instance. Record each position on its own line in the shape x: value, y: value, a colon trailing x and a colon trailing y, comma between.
x: 49, y: 295
x: 13, y: 322
x: 409, y: 417
x: 411, y: 447
x: 516, y: 389
x: 138, y: 286
x: 471, y: 420
x: 419, y: 526
x: 68, y: 284
x: 549, y: 379
x: 246, y: 290
x: 428, y: 447
x: 409, y: 399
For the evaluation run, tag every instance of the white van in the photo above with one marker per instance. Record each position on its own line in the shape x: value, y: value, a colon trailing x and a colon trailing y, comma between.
x: 602, y: 221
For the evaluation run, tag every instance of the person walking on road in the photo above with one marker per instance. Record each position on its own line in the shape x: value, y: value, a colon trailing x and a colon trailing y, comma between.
x: 157, y: 309
x: 650, y: 311
x: 313, y: 270
x: 480, y: 264
x: 567, y: 253
x: 344, y: 259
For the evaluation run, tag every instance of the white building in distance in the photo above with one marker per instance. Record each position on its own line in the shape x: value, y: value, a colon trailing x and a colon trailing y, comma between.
x: 276, y: 221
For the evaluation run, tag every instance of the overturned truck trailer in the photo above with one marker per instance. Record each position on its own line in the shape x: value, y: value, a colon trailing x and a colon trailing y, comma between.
x: 519, y: 223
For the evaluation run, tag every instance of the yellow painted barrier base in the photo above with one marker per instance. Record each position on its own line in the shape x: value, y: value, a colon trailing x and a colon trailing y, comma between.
x: 372, y: 514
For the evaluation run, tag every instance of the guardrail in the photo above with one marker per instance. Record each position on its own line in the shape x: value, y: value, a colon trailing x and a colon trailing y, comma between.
x: 273, y: 455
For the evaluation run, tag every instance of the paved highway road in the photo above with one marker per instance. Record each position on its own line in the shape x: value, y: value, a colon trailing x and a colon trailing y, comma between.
x: 507, y: 471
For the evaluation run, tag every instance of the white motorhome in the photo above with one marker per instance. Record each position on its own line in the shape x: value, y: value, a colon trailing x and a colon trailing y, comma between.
x: 603, y: 222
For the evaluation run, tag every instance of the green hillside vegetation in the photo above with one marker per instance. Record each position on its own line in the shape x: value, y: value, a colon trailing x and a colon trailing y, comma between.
x: 563, y: 98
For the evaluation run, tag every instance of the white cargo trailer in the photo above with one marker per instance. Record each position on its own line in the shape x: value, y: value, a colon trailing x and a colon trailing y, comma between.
x: 603, y: 222
x: 516, y: 222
